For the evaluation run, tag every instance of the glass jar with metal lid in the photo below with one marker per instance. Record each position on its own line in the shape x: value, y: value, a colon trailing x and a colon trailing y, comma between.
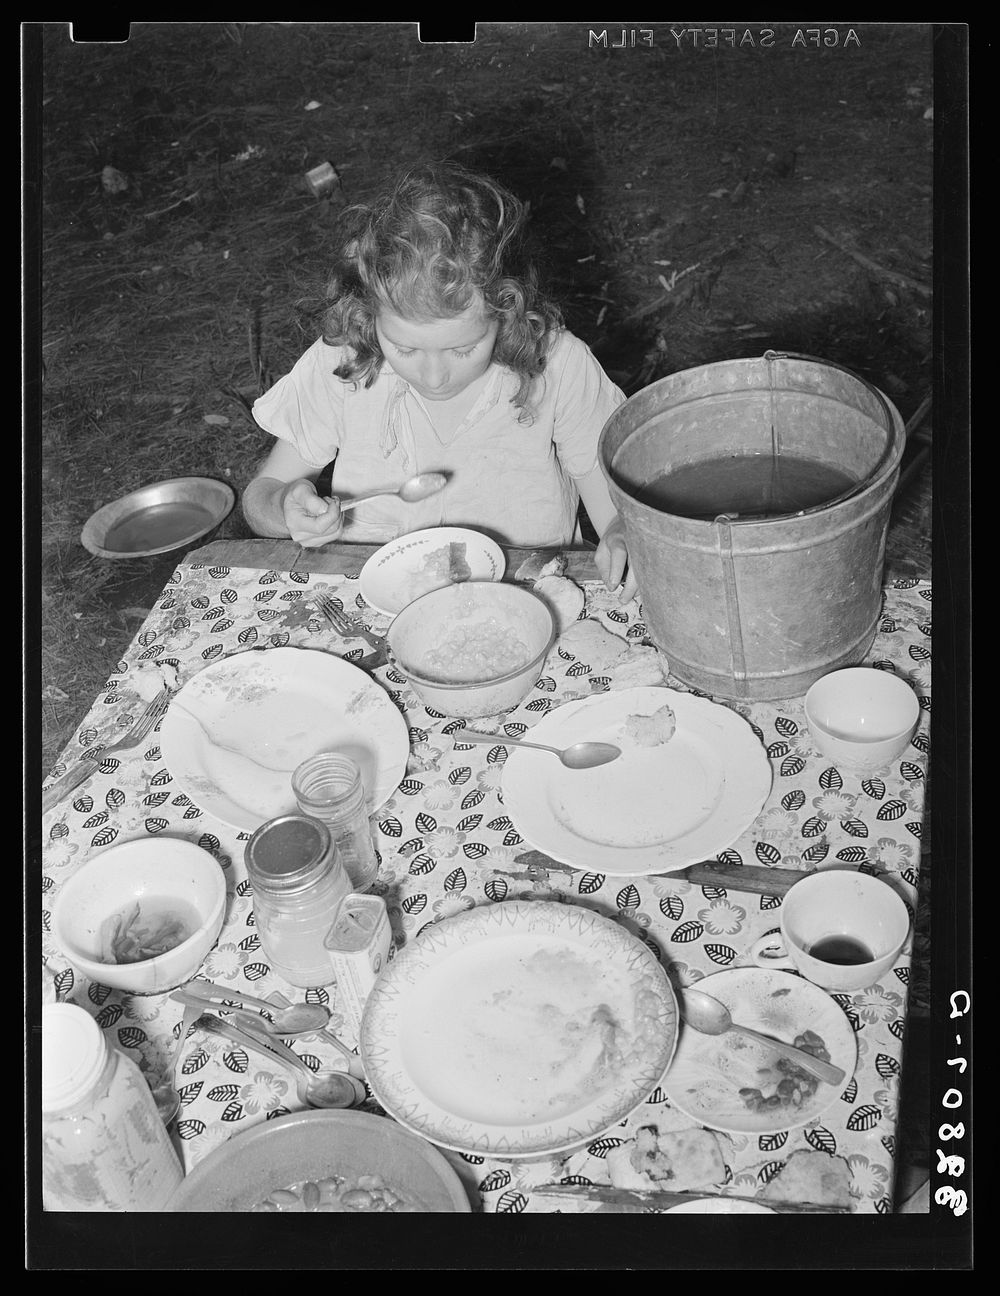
x: 298, y: 882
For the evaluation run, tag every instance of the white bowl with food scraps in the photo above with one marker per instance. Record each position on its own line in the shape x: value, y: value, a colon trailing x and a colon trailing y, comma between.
x: 142, y: 916
x: 473, y: 649
x: 421, y: 561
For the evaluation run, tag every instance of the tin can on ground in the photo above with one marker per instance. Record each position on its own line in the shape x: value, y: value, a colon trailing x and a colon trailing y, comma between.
x: 322, y: 180
x: 359, y: 945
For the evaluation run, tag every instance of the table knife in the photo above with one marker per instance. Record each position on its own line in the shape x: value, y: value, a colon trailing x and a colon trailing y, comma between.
x: 634, y: 1200
x: 736, y: 877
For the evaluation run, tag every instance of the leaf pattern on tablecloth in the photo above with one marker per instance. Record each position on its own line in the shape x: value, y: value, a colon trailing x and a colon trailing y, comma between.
x: 821, y: 1139
x: 439, y: 847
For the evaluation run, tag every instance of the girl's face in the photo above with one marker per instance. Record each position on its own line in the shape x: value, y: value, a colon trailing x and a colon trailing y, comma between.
x: 439, y: 358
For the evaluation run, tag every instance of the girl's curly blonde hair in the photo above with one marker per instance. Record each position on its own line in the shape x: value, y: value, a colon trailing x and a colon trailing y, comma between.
x: 429, y: 248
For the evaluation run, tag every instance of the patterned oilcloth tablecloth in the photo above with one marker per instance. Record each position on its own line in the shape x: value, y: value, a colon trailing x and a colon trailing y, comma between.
x: 447, y: 844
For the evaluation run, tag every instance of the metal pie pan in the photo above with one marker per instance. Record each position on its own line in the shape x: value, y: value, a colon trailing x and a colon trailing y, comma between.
x: 158, y: 518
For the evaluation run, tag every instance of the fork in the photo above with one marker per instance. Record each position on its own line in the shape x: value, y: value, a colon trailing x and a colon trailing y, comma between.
x: 88, y: 765
x: 343, y: 624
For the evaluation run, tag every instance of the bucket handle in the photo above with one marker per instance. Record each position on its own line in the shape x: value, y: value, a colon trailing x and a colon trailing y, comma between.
x: 770, y: 356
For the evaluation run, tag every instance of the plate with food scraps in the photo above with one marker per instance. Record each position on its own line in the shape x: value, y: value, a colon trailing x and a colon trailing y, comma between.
x: 235, y: 732
x: 737, y: 1085
x: 692, y: 776
x: 518, y: 1029
x: 421, y: 561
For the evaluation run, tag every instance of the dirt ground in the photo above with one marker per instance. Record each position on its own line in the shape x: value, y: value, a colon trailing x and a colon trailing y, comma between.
x: 691, y: 203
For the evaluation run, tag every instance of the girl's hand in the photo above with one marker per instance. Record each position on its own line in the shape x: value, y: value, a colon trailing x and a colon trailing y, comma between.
x: 611, y: 559
x: 311, y: 521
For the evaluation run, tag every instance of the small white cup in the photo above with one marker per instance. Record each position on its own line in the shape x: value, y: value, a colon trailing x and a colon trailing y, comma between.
x: 834, y: 915
x: 861, y: 718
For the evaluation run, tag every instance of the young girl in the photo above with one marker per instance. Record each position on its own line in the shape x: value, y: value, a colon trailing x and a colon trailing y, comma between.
x: 439, y: 353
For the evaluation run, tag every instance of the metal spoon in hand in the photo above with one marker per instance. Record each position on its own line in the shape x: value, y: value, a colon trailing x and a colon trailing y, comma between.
x: 295, y: 1019
x: 582, y: 755
x: 417, y: 488
x: 711, y: 1017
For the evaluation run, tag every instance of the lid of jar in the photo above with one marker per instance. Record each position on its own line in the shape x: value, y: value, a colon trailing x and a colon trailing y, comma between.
x: 74, y: 1052
x: 290, y: 852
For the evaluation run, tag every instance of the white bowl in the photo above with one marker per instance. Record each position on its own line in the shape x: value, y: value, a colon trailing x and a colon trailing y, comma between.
x: 431, y: 623
x: 316, y: 1145
x: 165, y: 876
x: 416, y: 563
x: 861, y: 718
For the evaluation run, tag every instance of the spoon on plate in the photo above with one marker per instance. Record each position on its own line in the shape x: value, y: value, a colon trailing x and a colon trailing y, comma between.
x: 293, y: 1019
x: 582, y: 755
x: 711, y: 1017
x: 416, y: 488
x: 327, y: 1088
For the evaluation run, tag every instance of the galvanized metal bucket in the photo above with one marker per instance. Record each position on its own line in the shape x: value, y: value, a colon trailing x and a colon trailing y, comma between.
x: 758, y: 608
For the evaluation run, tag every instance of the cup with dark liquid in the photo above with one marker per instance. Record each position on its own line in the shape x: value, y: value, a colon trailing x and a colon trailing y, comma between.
x: 840, y: 929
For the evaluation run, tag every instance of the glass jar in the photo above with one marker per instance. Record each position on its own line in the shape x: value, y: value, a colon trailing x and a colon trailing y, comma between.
x: 298, y: 883
x: 104, y: 1146
x: 329, y: 787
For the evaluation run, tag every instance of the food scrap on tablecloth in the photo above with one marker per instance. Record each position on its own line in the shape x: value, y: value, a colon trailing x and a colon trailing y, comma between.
x: 675, y: 1160
x: 149, y: 678
x: 818, y: 1178
x: 632, y: 665
x: 564, y: 597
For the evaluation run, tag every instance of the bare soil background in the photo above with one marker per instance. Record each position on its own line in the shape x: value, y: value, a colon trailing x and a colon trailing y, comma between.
x: 690, y: 205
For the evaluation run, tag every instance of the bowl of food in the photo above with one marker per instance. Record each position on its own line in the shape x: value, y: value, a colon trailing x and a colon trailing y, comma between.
x: 421, y: 561
x: 158, y: 518
x: 472, y: 649
x: 861, y: 718
x: 337, y: 1161
x: 142, y: 916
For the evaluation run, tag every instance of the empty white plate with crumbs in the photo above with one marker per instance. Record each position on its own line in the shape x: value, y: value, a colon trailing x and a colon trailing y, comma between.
x: 421, y: 561
x: 518, y: 1029
x: 660, y: 806
x: 235, y: 732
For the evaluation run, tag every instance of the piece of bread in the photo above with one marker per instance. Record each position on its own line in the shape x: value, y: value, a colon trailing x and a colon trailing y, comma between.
x: 590, y: 642
x: 564, y: 597
x: 818, y: 1178
x: 652, y: 730
x: 675, y: 1160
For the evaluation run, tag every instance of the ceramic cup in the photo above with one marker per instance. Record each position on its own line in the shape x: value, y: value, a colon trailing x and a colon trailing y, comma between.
x: 861, y: 718
x: 840, y: 929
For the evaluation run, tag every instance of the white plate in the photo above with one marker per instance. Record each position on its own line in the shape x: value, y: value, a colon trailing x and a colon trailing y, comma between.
x: 235, y: 732
x: 708, y: 1071
x: 518, y: 1029
x: 393, y: 576
x: 719, y: 1206
x: 654, y: 809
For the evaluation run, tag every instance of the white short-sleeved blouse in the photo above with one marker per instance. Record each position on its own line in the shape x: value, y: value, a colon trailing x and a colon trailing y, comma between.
x: 511, y: 479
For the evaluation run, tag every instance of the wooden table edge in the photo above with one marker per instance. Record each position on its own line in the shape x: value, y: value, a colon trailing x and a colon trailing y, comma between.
x: 346, y: 558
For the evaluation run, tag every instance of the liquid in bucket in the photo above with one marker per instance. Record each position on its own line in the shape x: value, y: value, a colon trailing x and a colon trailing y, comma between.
x: 745, y: 486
